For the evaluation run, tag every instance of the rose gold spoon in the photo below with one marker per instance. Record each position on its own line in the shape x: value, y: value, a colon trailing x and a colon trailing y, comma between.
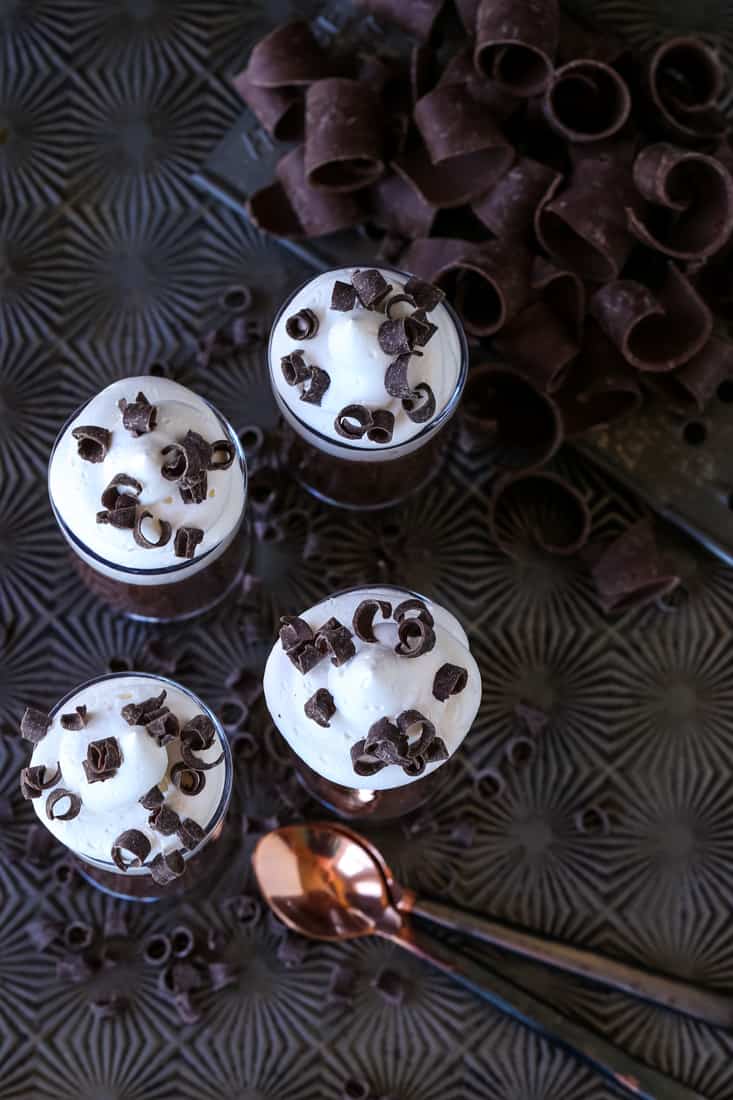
x: 324, y: 882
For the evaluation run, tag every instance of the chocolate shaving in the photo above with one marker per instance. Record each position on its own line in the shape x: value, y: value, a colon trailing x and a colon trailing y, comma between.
x: 420, y: 405
x: 152, y: 799
x: 395, y: 378
x: 78, y: 935
x: 421, y: 330
x: 292, y: 208
x: 287, y: 56
x: 697, y: 380
x: 516, y: 43
x: 695, y: 190
x: 294, y: 633
x: 317, y: 384
x: 93, y: 443
x: 654, y: 331
x: 334, y: 639
x: 303, y: 325
x: 34, y: 724
x: 412, y: 719
x: 199, y: 732
x: 539, y: 509
x: 404, y: 611
x: 343, y: 135
x: 382, y: 427
x: 141, y: 538
x: 165, y: 868
x: 425, y: 295
x: 508, y: 208
x: 449, y: 680
x: 320, y: 708
x: 33, y: 780
x: 362, y: 763
x: 75, y: 721
x: 630, y: 572
x: 186, y: 541
x: 414, y: 765
x: 103, y: 759
x: 164, y: 820
x: 363, y: 620
x: 683, y: 80
x: 195, y: 762
x: 343, y: 297
x: 353, y: 421
x: 371, y: 287
x: 112, y: 495
x: 396, y: 300
x: 386, y: 742
x: 415, y: 18
x: 138, y: 416
x: 416, y: 638
x: 225, y: 448
x: 397, y: 205
x: 53, y: 800
x: 505, y: 411
x: 164, y: 728
x: 396, y: 337
x: 190, y: 833
x: 586, y: 100
x: 139, y: 714
x: 157, y: 949
x: 122, y: 516
x: 187, y: 780
x: 436, y: 751
x: 280, y: 110
x: 294, y: 367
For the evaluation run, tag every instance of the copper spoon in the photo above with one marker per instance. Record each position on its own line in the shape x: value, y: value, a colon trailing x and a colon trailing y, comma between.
x: 712, y: 1008
x: 325, y: 884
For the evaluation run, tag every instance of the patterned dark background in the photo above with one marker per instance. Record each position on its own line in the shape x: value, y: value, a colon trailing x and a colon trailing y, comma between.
x: 616, y: 833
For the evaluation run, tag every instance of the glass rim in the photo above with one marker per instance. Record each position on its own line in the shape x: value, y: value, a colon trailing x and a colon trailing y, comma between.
x: 226, y: 794
x: 429, y: 428
x: 163, y: 570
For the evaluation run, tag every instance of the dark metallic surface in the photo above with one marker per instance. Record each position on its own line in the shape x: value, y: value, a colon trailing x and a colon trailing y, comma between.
x: 617, y: 833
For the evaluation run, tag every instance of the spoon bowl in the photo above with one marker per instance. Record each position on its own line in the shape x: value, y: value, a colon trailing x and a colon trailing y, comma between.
x: 322, y: 883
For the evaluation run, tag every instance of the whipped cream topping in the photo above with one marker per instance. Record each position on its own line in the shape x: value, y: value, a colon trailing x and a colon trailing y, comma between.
x: 76, y: 485
x: 111, y: 806
x: 375, y: 683
x: 346, y: 346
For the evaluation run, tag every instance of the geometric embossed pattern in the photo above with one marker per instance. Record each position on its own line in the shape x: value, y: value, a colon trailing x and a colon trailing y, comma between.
x: 612, y: 827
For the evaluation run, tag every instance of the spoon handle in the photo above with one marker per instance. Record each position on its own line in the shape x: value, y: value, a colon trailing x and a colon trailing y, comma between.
x: 633, y: 1077
x: 713, y: 1008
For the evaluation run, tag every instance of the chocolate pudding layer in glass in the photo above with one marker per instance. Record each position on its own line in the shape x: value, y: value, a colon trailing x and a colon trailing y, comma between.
x: 374, y: 690
x: 133, y: 774
x: 148, y: 483
x: 367, y: 368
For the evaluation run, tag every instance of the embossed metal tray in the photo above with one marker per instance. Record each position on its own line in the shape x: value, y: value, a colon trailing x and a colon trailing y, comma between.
x: 616, y: 832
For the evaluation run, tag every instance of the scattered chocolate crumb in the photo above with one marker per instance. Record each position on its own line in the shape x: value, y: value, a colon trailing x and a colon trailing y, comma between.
x: 187, y: 780
x: 363, y: 620
x: 163, y: 728
x: 65, y: 874
x: 75, y: 721
x: 190, y: 833
x: 103, y: 759
x: 93, y: 443
x: 165, y: 868
x: 370, y: 286
x: 245, y: 908
x: 134, y: 842
x: 34, y: 724
x: 42, y: 932
x: 292, y: 950
x: 107, y: 1006
x: 57, y: 796
x: 73, y: 968
x: 34, y: 780
x: 535, y: 719
x: 78, y: 935
x: 390, y: 985
x: 449, y: 680
x: 139, y: 714
x: 320, y: 708
x: 164, y: 820
x: 341, y: 985
x: 222, y: 974
x: 141, y: 538
x: 343, y: 297
x: 187, y: 1011
x: 462, y: 834
x: 303, y: 325
x: 335, y: 639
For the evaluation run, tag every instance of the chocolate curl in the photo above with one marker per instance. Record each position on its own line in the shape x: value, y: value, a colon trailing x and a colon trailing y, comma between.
x: 508, y: 209
x: 291, y: 208
x: 578, y: 41
x: 92, y: 442
x: 654, y: 331
x: 583, y: 224
x: 545, y: 337
x: 516, y: 43
x: 601, y: 387
x: 459, y: 70
x: 503, y: 410
x: 415, y: 17
x: 630, y: 572
x: 396, y: 204
x: 694, y: 384
x: 697, y: 192
x: 586, y: 101
x: 682, y: 81
x: 488, y: 284
x: 343, y: 135
x: 280, y: 110
x: 541, y: 509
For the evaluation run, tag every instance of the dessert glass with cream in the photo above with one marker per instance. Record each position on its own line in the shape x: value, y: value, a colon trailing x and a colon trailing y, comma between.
x: 148, y: 483
x: 367, y: 368
x: 374, y: 689
x: 133, y: 773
